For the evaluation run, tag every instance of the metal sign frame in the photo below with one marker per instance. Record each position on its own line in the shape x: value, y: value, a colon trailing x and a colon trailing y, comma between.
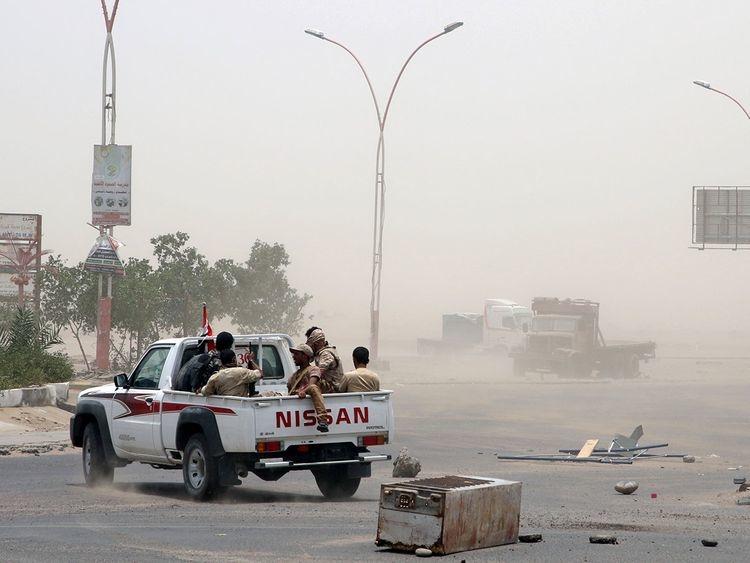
x: 721, y: 229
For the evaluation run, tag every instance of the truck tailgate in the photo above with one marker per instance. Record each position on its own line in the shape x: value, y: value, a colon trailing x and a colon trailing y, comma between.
x: 351, y: 415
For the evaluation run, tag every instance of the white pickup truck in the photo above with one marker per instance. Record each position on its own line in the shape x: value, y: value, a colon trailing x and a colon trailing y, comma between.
x: 218, y: 439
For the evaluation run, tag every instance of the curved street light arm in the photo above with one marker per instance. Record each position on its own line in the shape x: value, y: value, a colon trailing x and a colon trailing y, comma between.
x: 403, y: 67
x: 730, y: 97
x: 364, y: 72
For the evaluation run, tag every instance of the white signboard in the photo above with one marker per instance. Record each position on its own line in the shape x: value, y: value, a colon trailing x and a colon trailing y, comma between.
x: 10, y: 289
x: 15, y: 226
x: 110, y: 185
x: 9, y: 253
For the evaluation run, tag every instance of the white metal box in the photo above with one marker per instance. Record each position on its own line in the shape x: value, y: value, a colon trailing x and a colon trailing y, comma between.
x: 449, y: 514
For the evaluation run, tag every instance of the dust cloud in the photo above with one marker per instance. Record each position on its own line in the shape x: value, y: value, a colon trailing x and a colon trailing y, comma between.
x: 542, y: 149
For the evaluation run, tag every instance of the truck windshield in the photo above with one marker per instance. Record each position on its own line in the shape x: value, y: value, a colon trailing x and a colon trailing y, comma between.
x: 553, y: 324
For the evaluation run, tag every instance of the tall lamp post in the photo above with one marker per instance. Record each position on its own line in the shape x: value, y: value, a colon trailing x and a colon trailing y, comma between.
x: 707, y: 86
x: 379, y: 213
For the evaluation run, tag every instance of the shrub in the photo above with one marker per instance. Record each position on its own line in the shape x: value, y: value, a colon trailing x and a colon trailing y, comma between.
x: 24, y: 356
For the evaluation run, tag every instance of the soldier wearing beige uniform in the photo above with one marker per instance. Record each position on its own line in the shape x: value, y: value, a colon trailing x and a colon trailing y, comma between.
x: 305, y: 383
x: 327, y: 359
x: 361, y: 379
x: 231, y: 380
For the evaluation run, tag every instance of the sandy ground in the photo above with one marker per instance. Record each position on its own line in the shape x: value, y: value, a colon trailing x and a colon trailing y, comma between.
x: 455, y: 415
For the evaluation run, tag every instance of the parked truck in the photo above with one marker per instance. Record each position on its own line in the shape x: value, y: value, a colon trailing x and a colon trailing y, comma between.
x: 217, y: 440
x: 565, y: 338
x: 499, y: 329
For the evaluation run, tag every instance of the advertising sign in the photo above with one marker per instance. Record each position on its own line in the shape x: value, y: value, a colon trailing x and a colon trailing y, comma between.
x: 110, y: 185
x: 721, y: 215
x: 9, y: 254
x: 9, y: 289
x: 103, y: 258
x: 17, y: 226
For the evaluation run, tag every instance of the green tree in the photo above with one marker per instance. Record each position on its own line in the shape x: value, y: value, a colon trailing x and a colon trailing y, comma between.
x: 136, y: 307
x: 25, y: 359
x: 69, y: 298
x: 260, y: 298
x: 186, y: 280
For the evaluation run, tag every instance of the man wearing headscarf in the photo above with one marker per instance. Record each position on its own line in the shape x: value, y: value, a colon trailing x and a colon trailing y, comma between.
x: 327, y: 359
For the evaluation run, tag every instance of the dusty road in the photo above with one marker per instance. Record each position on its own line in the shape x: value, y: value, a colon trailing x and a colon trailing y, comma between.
x: 454, y: 425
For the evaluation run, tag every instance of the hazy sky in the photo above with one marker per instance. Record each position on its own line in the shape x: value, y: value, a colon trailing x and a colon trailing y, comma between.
x: 545, y: 148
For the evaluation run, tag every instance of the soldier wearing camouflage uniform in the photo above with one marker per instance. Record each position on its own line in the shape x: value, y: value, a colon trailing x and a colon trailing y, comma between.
x: 327, y: 359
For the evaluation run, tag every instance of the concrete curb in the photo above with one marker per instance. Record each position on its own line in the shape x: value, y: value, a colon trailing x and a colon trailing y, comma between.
x: 34, y: 396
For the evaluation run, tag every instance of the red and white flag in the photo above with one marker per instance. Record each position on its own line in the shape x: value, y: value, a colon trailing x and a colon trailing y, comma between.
x: 206, y: 329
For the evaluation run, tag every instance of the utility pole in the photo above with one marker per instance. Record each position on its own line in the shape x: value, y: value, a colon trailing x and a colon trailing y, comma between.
x: 379, y: 214
x: 109, y: 110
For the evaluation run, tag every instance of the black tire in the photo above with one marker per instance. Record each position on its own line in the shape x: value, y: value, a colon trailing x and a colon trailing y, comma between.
x: 96, y: 470
x: 200, y: 470
x: 334, y: 483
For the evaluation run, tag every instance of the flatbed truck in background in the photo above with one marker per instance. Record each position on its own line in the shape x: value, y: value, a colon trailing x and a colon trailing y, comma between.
x: 565, y: 338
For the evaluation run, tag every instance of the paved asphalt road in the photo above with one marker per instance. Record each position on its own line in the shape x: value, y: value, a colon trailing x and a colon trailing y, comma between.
x: 454, y: 426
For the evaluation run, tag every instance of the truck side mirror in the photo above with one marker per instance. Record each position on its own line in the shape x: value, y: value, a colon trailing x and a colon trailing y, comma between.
x: 121, y: 380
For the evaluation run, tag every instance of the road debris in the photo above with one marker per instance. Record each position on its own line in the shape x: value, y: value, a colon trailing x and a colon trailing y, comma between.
x: 423, y: 552
x: 622, y: 450
x: 603, y: 539
x: 688, y: 459
x: 530, y: 538
x: 448, y: 514
x: 405, y: 465
x: 744, y: 501
x: 626, y: 487
x: 710, y: 543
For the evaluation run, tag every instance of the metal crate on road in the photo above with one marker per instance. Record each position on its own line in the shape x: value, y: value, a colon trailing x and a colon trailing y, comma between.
x: 449, y: 514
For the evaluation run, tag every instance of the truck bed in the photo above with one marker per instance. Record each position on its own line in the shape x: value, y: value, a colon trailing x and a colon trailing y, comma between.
x: 243, y: 422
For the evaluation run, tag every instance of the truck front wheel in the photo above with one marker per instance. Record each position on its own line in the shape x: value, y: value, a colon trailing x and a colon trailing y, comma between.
x: 334, y: 483
x: 96, y: 470
x: 200, y: 470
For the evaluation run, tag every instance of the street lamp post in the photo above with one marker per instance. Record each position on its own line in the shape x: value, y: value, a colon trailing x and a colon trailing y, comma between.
x: 707, y: 86
x: 379, y: 212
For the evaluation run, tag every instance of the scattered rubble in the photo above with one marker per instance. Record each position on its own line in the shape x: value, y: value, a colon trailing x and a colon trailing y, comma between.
x: 709, y: 543
x: 744, y: 501
x: 423, y: 552
x: 626, y: 487
x: 405, y: 465
x: 529, y: 538
x: 688, y: 459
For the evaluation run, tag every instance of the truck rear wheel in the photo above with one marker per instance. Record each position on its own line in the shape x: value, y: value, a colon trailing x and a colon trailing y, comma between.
x: 96, y: 470
x: 200, y: 470
x: 334, y: 483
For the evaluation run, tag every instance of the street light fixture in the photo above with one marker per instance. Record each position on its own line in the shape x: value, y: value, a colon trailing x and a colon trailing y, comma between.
x: 379, y: 215
x: 708, y: 86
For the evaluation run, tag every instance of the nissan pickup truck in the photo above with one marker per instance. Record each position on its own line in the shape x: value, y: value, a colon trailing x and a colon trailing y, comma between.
x: 217, y: 440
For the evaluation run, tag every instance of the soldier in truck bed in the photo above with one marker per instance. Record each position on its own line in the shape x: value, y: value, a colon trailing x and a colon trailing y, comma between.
x: 232, y: 379
x: 304, y: 383
x: 196, y: 372
x: 327, y: 359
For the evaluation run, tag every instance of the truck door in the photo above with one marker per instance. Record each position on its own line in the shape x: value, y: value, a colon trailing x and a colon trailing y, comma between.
x: 134, y: 415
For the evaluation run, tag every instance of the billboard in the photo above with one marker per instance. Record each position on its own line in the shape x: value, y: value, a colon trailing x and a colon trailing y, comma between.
x: 19, y: 226
x: 8, y: 287
x: 110, y: 185
x: 721, y: 215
